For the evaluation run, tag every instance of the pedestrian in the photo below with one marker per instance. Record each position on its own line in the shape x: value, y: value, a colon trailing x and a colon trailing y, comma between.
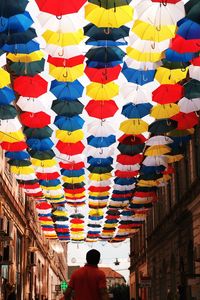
x: 88, y: 282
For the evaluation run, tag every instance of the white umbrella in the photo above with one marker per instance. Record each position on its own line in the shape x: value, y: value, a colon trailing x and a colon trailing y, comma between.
x: 63, y: 52
x: 32, y: 191
x: 66, y: 23
x: 99, y: 128
x: 10, y: 125
x: 159, y: 14
x: 46, y: 170
x: 141, y: 65
x: 119, y: 203
x: 100, y: 152
x: 52, y: 192
x: 158, y: 140
x: 194, y: 72
x: 121, y: 167
x: 34, y: 105
x: 189, y: 105
x: 67, y: 159
x: 26, y: 177
x: 137, y: 93
x: 100, y: 183
x: 124, y: 188
x: 155, y: 161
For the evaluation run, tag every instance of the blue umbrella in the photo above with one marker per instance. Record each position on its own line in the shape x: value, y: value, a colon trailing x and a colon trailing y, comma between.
x: 40, y: 144
x: 22, y: 48
x: 9, y: 7
x: 72, y: 173
x: 172, y: 55
x: 189, y: 30
x: 108, y: 43
x: 121, y: 192
x: 16, y: 23
x: 49, y: 183
x: 100, y: 142
x: 124, y: 181
x: 67, y: 90
x: 149, y: 170
x: 98, y: 198
x: 127, y: 213
x: 70, y: 124
x: 6, y: 96
x: 136, y: 111
x: 99, y: 64
x: 100, y: 161
x: 105, y: 54
x: 20, y: 155
x: 20, y: 37
x: 140, y: 77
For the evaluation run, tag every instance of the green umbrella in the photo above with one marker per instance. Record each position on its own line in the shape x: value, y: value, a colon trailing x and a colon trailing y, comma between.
x: 19, y: 163
x: 67, y: 108
x: 77, y: 216
x: 7, y: 112
x: 100, y: 169
x: 192, y: 89
x: 42, y: 155
x: 174, y: 65
x: 193, y: 9
x: 110, y: 3
x: 40, y: 133
x: 27, y: 69
x: 162, y: 126
x: 151, y: 176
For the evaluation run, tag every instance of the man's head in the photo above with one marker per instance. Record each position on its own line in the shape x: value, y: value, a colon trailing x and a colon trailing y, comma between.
x: 93, y: 257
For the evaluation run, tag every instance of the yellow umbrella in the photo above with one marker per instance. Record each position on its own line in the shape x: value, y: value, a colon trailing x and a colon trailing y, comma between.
x: 164, y: 111
x: 63, y: 39
x: 70, y: 136
x: 99, y: 177
x: 44, y: 163
x: 148, y: 183
x: 54, y: 196
x: 167, y: 76
x: 146, y: 31
x: 99, y: 91
x: 73, y: 179
x: 22, y: 170
x: 24, y: 57
x: 12, y: 137
x: 5, y: 78
x: 173, y: 158
x: 144, y: 56
x: 60, y: 213
x: 48, y: 188
x: 133, y: 126
x: 113, y: 17
x: 98, y: 204
x: 66, y: 74
x: 185, y: 132
x: 77, y: 226
x: 74, y: 195
x: 110, y: 225
x: 96, y: 212
x: 157, y: 150
x: 98, y: 194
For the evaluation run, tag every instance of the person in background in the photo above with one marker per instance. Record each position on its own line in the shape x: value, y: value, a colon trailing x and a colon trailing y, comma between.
x: 88, y: 282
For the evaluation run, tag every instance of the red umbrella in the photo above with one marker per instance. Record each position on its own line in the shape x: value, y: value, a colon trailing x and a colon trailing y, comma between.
x: 109, y: 217
x: 99, y: 188
x: 70, y: 148
x: 64, y: 62
x: 165, y: 2
x: 126, y: 174
x: 168, y: 93
x: 103, y: 75
x: 18, y: 146
x: 74, y: 191
x: 72, y: 166
x: 196, y: 61
x: 60, y: 8
x: 185, y: 121
x: 101, y: 109
x: 32, y: 87
x: 145, y: 194
x: 130, y: 139
x: 181, y: 45
x: 129, y: 160
x: 39, y: 194
x: 35, y: 120
x: 43, y: 205
x: 76, y: 221
x: 169, y: 170
x: 72, y: 197
x: 29, y: 186
x: 47, y: 176
x: 127, y: 194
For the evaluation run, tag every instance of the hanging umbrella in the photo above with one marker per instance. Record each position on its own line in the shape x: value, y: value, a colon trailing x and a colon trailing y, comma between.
x: 66, y: 62
x: 162, y: 126
x: 164, y: 111
x: 30, y: 86
x: 63, y: 39
x: 157, y: 150
x: 40, y: 133
x: 129, y: 160
x: 194, y: 71
x: 42, y: 155
x: 134, y: 126
x: 35, y: 105
x: 35, y: 120
x: 7, y: 112
x: 67, y: 108
x: 159, y: 14
x: 136, y: 111
x: 192, y: 89
x: 185, y: 121
x: 10, y: 125
x: 65, y: 74
x: 100, y: 161
x: 16, y: 23
x: 189, y: 30
x: 5, y: 78
x: 148, y: 51
x: 167, y: 76
x: 102, y: 17
x: 16, y: 146
x: 146, y: 31
x: 136, y: 93
x: 130, y: 149
x: 181, y: 45
x: 189, y: 105
x: 110, y: 4
x: 19, y: 155
x: 62, y: 52
x: 68, y: 90
x: 69, y: 137
x: 69, y: 124
x: 103, y: 152
x: 105, y: 54
x: 193, y: 12
x: 100, y: 170
x: 59, y: 9
x: 103, y: 75
x: 6, y: 95
x: 21, y: 48
x: 100, y: 129
x: 40, y: 144
x: 99, y: 91
x: 174, y: 56
x: 138, y: 76
x: 24, y: 57
x: 158, y: 140
x: 99, y: 142
x: 101, y: 109
x: 168, y: 93
x: 27, y: 69
x: 8, y: 8
x: 69, y: 148
x: 20, y: 37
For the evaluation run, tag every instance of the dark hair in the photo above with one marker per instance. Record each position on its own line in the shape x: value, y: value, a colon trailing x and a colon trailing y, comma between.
x: 93, y: 257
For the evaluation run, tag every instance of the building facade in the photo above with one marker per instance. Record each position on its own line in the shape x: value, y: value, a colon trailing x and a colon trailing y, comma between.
x: 27, y: 260
x: 166, y: 251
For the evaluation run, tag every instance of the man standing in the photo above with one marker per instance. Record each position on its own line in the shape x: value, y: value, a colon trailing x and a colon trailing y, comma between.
x: 88, y: 282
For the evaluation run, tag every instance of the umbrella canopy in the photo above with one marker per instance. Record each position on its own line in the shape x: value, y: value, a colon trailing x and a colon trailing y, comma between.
x: 40, y: 144
x: 21, y: 48
x: 110, y: 4
x: 63, y: 39
x: 164, y: 111
x: 67, y: 108
x: 99, y: 142
x: 28, y: 69
x: 35, y: 120
x: 40, y: 133
x: 189, y: 105
x: 6, y: 95
x: 105, y: 54
x: 103, y: 75
x: 138, y: 76
x: 67, y: 90
x: 8, y: 8
x: 134, y: 126
x: 158, y: 140
x: 65, y: 74
x: 99, y: 91
x: 69, y: 124
x: 157, y: 150
x: 7, y: 112
x: 168, y: 93
x: 186, y: 121
x: 162, y: 126
x: 136, y: 111
x: 192, y: 89
x: 16, y: 23
x: 30, y: 86
x: 101, y: 109
x: 173, y: 76
x: 58, y: 8
x: 35, y: 105
x: 5, y: 78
